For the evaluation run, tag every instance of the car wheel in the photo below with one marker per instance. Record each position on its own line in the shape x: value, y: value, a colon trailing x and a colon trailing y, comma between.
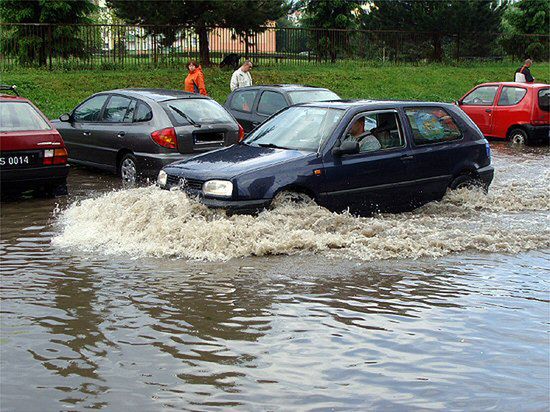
x: 518, y: 136
x: 287, y: 196
x: 128, y: 170
x: 466, y: 181
x: 56, y: 190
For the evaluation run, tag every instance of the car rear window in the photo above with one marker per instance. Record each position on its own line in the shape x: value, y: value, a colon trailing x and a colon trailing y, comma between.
x: 19, y: 116
x: 187, y: 111
x: 544, y: 99
x: 432, y: 125
x: 307, y: 96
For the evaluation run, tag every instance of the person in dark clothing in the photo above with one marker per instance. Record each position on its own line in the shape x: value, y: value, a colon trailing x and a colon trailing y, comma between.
x: 523, y: 74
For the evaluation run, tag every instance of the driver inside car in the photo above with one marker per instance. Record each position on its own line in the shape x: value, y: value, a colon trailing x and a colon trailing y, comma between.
x: 367, y: 142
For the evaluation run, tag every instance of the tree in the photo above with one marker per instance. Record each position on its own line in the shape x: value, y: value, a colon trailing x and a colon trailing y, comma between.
x: 527, y: 17
x: 437, y: 18
x: 248, y: 17
x: 170, y: 16
x: 330, y: 14
x: 34, y: 44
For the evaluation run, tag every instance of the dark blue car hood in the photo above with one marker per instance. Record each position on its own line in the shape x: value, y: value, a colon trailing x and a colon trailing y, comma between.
x: 232, y: 161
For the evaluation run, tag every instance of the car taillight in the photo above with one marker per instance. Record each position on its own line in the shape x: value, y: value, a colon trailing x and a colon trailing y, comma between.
x: 55, y: 156
x: 166, y: 137
x: 241, y: 133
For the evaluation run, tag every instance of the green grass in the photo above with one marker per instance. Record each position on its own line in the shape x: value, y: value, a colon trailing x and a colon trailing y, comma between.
x: 57, y: 92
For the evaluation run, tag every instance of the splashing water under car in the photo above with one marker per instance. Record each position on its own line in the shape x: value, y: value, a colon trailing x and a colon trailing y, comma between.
x: 514, y: 216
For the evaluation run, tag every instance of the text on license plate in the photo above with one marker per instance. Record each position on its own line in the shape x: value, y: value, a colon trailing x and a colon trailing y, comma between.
x: 18, y: 160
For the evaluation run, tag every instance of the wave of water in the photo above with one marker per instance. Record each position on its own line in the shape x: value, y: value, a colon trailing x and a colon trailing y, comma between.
x: 513, y: 217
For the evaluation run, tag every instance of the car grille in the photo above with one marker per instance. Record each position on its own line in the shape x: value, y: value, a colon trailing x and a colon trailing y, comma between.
x: 184, y: 183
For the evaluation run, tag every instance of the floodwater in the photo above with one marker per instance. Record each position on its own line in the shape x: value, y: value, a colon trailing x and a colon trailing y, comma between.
x: 143, y: 300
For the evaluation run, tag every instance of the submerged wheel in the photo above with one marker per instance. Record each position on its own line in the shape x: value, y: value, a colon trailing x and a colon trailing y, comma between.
x: 518, y: 136
x: 466, y: 181
x: 128, y: 170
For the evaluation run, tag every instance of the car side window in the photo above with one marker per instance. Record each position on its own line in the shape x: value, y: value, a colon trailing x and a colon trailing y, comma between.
x: 511, y: 95
x: 90, y: 110
x: 116, y: 109
x: 544, y: 99
x: 243, y: 100
x: 482, y: 96
x: 432, y: 125
x: 143, y: 113
x: 271, y: 102
x: 376, y: 131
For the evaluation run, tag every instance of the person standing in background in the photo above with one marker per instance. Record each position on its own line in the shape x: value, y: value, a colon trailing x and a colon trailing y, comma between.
x: 194, y: 82
x: 523, y: 74
x: 241, y: 77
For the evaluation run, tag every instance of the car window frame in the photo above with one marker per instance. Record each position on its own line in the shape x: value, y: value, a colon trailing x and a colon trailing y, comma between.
x: 111, y: 95
x: 413, y: 143
x: 257, y: 105
x: 254, y: 102
x: 497, y: 93
x: 100, y: 110
x: 512, y: 87
x: 401, y: 130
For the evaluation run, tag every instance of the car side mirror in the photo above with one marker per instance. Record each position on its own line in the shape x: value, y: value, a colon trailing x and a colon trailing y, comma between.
x: 66, y: 117
x: 346, y: 147
x: 458, y: 102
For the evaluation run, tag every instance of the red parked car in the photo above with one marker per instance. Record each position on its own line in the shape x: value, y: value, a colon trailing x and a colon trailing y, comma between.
x: 519, y: 112
x: 32, y: 153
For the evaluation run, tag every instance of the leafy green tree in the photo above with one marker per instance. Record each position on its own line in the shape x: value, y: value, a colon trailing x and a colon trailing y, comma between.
x: 34, y: 44
x: 438, y: 18
x: 330, y: 14
x: 527, y: 17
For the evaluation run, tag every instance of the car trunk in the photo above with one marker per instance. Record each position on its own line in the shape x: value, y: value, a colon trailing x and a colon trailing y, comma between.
x: 23, y: 149
x: 192, y: 139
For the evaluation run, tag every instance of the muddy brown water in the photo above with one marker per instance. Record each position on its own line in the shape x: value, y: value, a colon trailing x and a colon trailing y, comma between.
x: 142, y: 300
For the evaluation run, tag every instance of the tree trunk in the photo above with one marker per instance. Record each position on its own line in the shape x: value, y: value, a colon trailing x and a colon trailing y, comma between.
x: 438, y: 47
x: 204, y: 47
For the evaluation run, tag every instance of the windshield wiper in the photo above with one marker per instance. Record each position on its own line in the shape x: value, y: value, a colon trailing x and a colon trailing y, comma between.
x: 178, y: 111
x: 271, y: 145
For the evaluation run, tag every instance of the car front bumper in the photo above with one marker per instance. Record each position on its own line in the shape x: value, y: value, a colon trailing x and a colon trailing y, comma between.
x: 236, y: 206
x: 34, y: 177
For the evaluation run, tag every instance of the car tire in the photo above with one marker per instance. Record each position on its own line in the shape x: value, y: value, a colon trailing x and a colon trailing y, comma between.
x: 56, y: 190
x: 518, y: 136
x: 466, y: 181
x: 128, y: 170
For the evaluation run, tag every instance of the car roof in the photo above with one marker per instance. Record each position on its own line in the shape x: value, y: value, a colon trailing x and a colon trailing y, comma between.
x: 372, y: 104
x: 157, y: 95
x: 283, y: 87
x: 528, y: 85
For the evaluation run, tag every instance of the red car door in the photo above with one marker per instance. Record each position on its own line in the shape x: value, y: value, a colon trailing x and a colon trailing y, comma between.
x: 513, y: 107
x: 479, y: 105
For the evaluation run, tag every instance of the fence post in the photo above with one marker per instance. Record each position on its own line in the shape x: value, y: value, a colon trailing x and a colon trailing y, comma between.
x: 50, y: 46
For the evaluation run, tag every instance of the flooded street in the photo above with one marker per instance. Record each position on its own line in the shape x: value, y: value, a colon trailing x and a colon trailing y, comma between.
x: 142, y: 299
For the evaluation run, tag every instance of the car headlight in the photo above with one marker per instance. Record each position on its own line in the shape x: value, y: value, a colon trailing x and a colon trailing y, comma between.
x: 162, y: 178
x: 220, y: 188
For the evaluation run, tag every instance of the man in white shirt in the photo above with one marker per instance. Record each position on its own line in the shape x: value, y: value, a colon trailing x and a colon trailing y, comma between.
x: 241, y: 77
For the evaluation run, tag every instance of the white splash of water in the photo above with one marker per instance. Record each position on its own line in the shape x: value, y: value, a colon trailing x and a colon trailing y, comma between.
x: 513, y: 217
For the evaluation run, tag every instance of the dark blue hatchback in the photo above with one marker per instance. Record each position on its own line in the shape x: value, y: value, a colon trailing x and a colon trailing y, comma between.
x: 363, y: 156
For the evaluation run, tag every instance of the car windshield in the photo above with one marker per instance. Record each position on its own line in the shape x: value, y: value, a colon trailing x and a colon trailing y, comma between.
x: 16, y: 116
x: 196, y: 111
x: 306, y: 96
x: 297, y: 128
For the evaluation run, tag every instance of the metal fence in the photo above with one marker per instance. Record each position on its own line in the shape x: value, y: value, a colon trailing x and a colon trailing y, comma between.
x: 116, y: 45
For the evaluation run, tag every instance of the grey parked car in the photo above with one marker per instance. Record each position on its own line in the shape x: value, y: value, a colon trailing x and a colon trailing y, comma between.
x: 135, y: 132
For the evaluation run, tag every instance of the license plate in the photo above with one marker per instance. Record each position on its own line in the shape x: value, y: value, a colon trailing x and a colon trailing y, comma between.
x: 18, y: 160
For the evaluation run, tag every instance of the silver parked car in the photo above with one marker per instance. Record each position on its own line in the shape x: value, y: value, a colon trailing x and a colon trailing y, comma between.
x: 135, y: 132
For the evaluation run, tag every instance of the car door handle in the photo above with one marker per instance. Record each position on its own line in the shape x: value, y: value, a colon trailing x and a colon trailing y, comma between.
x: 488, y: 110
x: 121, y: 134
x: 87, y: 133
x: 407, y: 157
